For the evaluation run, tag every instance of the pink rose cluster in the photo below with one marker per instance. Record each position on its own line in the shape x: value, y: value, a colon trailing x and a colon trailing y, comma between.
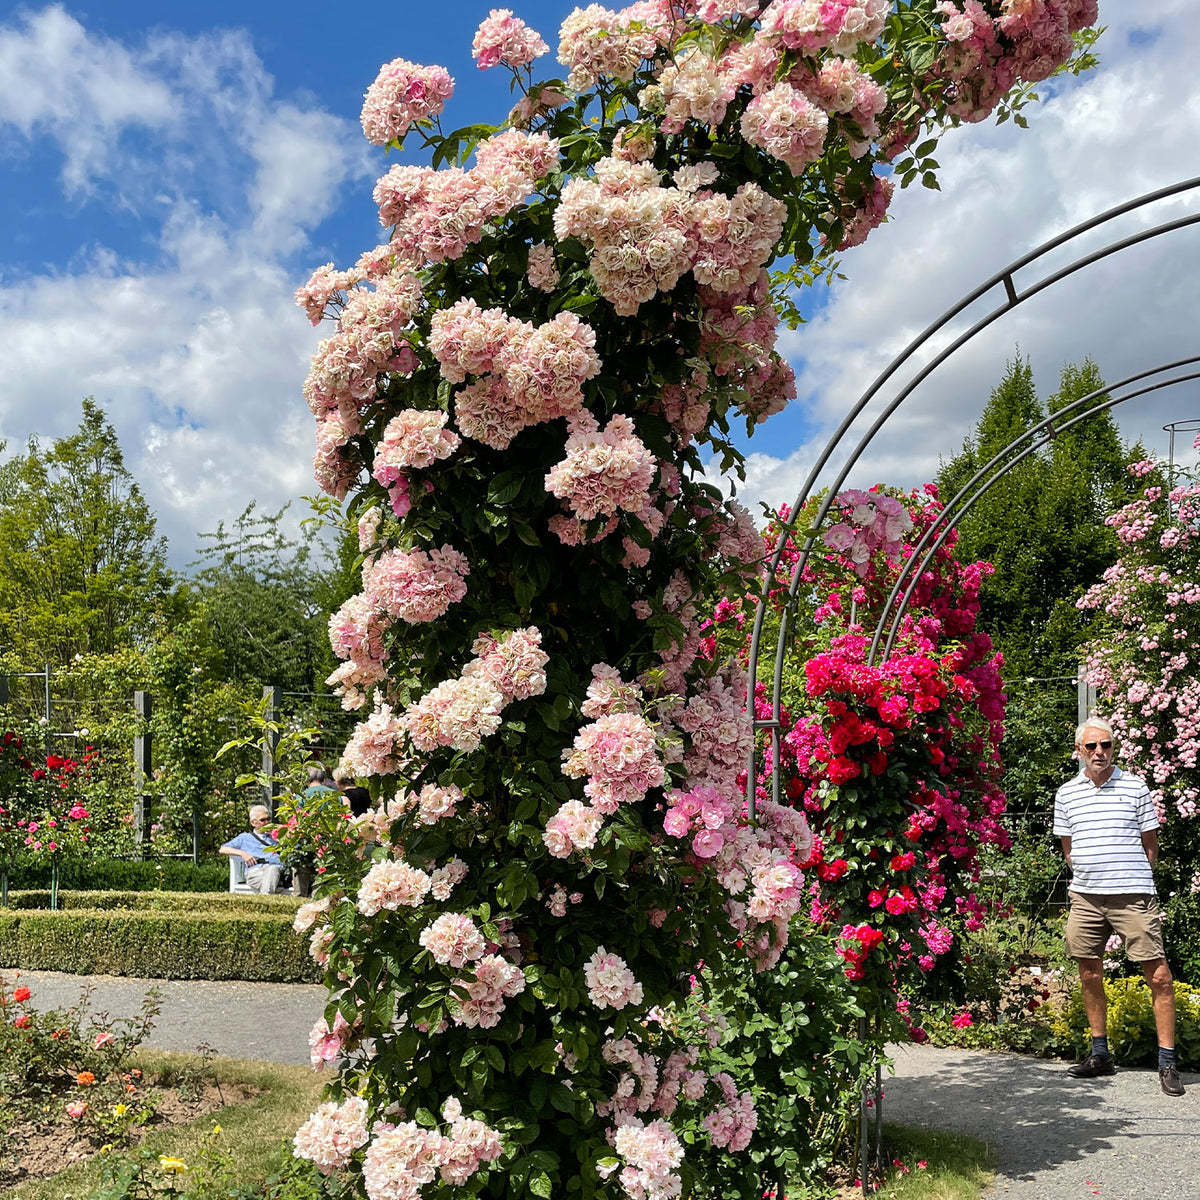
x: 610, y: 982
x: 733, y: 1123
x: 643, y: 237
x: 325, y: 1044
x: 461, y: 712
x: 503, y: 38
x: 412, y: 439
x: 874, y: 523
x: 693, y: 88
x: 331, y: 1135
x: 756, y: 865
x: 436, y: 214
x: 454, y: 940
x: 417, y: 586
x: 391, y: 884
x: 618, y: 755
x: 404, y: 1158
x: 738, y: 332
x: 652, y: 1154
x: 493, y: 980
x: 525, y: 374
x: 787, y: 125
x: 985, y: 56
x: 604, y: 472
x: 719, y: 728
x: 402, y: 94
x: 368, y: 343
x: 595, y: 41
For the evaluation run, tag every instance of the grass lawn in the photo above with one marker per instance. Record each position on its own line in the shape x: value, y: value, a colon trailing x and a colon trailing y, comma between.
x: 251, y: 1131
x: 957, y: 1167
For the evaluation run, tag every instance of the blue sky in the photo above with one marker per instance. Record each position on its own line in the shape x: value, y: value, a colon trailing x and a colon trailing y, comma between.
x: 170, y: 173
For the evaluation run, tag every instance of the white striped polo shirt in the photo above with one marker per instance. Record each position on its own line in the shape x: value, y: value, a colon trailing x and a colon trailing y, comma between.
x: 1105, y: 825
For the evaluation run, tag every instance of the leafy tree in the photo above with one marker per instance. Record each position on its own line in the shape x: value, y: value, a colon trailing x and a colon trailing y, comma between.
x: 83, y: 569
x: 258, y: 590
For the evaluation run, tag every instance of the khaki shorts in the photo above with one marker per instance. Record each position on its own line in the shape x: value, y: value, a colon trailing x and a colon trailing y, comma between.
x: 1134, y: 917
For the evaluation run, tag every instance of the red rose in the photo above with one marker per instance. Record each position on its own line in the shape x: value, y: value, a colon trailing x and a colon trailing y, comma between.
x: 21, y: 994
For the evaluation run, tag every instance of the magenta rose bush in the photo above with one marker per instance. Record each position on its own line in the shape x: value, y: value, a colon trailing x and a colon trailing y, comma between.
x: 895, y: 764
x: 513, y: 399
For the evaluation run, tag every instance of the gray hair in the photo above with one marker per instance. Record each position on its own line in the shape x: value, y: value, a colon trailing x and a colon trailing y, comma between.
x: 1093, y: 723
x: 316, y: 772
x: 259, y: 810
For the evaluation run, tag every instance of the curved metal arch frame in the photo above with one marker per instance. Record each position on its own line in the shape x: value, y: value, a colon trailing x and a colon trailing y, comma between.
x: 977, y: 487
x: 1013, y: 298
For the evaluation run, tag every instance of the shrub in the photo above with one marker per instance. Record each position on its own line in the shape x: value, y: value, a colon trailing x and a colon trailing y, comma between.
x: 1131, y: 1031
x: 156, y: 944
x: 1182, y: 921
x: 115, y: 874
x: 203, y: 903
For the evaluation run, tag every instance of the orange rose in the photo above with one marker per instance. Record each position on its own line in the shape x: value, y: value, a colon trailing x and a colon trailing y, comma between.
x: 85, y: 1078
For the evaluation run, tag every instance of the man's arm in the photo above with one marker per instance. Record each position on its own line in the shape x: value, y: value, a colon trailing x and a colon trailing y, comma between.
x: 248, y: 859
x: 1066, y: 845
x: 1150, y: 845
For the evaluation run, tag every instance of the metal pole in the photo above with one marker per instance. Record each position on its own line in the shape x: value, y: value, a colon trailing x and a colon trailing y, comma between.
x: 143, y: 767
x: 3, y: 691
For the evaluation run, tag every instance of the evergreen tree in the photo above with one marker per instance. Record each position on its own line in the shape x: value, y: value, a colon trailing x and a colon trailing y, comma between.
x: 83, y: 571
x: 1042, y: 526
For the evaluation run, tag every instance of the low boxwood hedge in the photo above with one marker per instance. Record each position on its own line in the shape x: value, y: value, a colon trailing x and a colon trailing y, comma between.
x: 202, y: 903
x: 122, y: 875
x: 158, y: 943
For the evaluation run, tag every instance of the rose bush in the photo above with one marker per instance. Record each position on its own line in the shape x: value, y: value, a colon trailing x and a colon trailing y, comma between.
x: 1144, y: 667
x: 516, y: 389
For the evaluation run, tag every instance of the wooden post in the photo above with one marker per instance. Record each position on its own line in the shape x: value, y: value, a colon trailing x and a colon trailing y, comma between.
x: 274, y: 702
x: 143, y: 767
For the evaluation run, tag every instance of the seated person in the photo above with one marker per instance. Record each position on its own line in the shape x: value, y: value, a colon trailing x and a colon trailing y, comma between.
x: 258, y: 850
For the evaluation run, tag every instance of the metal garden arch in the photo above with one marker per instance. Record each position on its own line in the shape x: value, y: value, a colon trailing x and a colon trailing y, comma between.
x: 1179, y: 371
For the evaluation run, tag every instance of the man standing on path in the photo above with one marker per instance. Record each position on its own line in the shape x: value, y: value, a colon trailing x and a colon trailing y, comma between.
x: 1109, y: 830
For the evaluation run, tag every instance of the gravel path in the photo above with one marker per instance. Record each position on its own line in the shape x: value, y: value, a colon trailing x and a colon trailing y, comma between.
x: 1055, y: 1137
x: 268, y: 1021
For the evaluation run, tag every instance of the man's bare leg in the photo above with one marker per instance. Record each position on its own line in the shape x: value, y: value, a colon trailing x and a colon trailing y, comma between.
x: 1091, y: 981
x: 1162, y: 987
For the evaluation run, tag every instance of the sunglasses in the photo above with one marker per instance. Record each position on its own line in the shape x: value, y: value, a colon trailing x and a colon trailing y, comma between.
x: 1104, y: 745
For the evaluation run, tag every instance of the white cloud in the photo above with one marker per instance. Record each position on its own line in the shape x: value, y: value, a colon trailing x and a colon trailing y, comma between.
x: 195, y: 349
x: 1126, y: 129
x: 80, y: 90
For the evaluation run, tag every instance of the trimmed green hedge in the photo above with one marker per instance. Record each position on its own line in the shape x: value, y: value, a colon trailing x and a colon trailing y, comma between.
x: 198, y: 903
x: 120, y: 875
x: 157, y: 944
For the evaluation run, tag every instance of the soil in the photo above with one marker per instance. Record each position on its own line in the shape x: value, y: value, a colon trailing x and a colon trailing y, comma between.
x: 47, y: 1147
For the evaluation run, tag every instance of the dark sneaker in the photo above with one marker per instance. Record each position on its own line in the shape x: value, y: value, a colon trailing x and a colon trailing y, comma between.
x: 1171, y: 1083
x: 1095, y: 1065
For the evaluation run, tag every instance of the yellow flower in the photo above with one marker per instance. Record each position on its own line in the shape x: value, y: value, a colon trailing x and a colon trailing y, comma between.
x: 172, y: 1166
x: 216, y: 1129
x: 120, y: 1110
x: 106, y: 1148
